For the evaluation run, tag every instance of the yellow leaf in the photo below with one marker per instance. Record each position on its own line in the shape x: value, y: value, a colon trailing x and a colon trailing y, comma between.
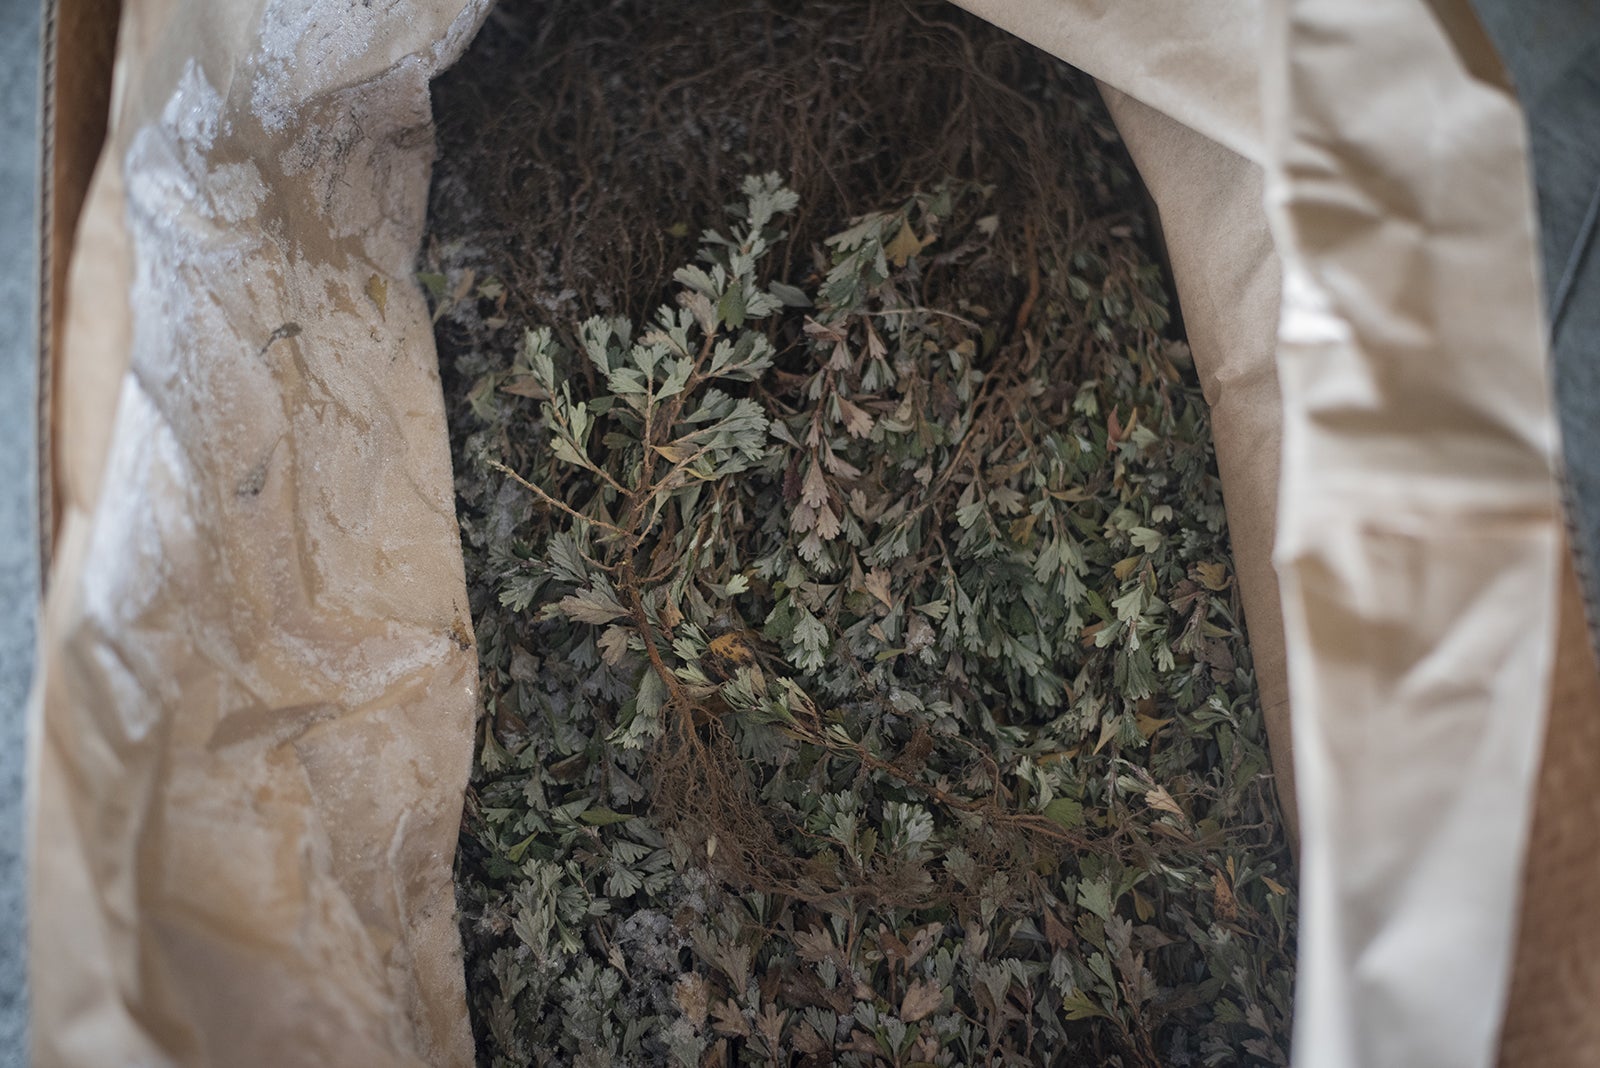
x: 590, y: 606
x: 807, y: 1040
x: 1161, y: 800
x: 814, y: 490
x: 1108, y: 731
x: 1142, y: 907
x: 1212, y: 576
x: 1275, y: 886
x: 693, y: 995
x: 828, y: 526
x: 1022, y: 529
x: 469, y: 278
x: 905, y: 245
x: 1148, y: 725
x: 674, y: 452
x: 613, y: 645
x: 1167, y: 830
x: 378, y: 293
x: 727, y: 1019
x: 875, y: 346
x: 1222, y: 899
x: 1124, y: 567
x: 525, y: 386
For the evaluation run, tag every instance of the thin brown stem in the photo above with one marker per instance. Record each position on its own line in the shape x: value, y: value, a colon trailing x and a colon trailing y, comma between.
x: 567, y: 508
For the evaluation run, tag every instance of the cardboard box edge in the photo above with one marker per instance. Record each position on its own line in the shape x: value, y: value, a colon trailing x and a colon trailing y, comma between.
x: 77, y: 49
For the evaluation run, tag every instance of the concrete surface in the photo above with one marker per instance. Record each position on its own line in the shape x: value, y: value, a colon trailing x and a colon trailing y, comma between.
x: 1553, y: 51
x: 19, y: 164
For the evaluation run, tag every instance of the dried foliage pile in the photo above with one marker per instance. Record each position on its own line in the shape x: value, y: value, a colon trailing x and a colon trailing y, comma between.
x: 862, y: 667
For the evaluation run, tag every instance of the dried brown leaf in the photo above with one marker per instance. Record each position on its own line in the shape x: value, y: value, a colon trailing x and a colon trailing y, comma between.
x: 727, y: 1019
x: 922, y: 999
x: 613, y: 645
x: 876, y: 582
x: 856, y: 421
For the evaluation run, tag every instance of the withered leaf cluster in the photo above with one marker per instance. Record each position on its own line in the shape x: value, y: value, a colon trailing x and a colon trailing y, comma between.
x: 848, y: 621
x: 863, y: 675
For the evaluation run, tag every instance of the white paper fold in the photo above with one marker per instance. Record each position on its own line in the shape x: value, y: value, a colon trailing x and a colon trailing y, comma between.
x: 1419, y: 546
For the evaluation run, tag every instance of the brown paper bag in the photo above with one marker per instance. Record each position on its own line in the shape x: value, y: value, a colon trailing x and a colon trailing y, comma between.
x: 256, y: 693
x: 253, y: 716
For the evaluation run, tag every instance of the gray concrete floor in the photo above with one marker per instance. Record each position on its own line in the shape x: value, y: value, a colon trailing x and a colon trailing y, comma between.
x: 1552, y: 48
x: 1553, y: 51
x: 19, y: 167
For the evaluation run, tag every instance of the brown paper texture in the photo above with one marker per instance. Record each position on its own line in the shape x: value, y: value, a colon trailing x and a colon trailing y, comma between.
x: 255, y: 703
x: 1196, y: 63
x: 253, y: 716
x: 1551, y: 1020
x: 1227, y: 275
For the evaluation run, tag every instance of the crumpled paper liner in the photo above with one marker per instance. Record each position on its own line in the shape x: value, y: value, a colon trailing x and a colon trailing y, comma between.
x: 253, y: 717
x: 1418, y: 540
x: 1182, y: 82
x: 1227, y: 275
x: 1419, y: 535
x: 256, y: 693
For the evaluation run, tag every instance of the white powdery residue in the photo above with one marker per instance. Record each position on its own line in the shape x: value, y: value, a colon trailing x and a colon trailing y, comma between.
x: 236, y: 191
x: 133, y: 542
x: 186, y: 220
x: 174, y: 191
x: 166, y: 157
x: 195, y: 110
x: 302, y: 44
x: 370, y: 670
x: 448, y: 48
